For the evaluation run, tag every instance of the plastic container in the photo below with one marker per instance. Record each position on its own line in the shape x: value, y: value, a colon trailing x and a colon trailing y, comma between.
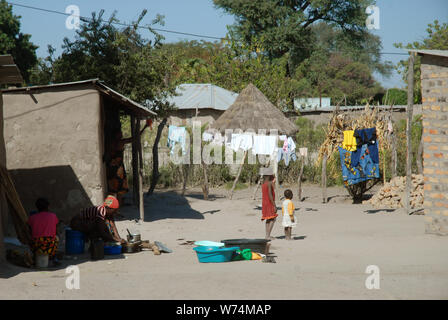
x: 97, y: 249
x: 112, y: 250
x: 41, y: 261
x: 206, y: 243
x: 74, y: 242
x: 256, y: 245
x: 215, y: 254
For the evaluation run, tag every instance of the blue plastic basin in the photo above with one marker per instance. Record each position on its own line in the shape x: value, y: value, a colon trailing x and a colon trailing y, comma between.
x: 206, y: 243
x: 215, y: 254
x: 111, y: 250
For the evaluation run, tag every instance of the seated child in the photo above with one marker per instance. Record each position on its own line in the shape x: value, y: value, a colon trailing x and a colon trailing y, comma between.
x: 289, y: 220
x: 43, y: 230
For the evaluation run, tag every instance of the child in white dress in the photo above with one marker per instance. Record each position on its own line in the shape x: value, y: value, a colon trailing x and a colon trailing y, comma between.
x: 289, y: 220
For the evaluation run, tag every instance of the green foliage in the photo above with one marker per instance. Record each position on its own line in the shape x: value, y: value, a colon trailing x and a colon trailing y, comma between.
x: 122, y: 58
x: 239, y: 185
x: 436, y: 39
x: 395, y: 96
x: 280, y: 27
x: 13, y: 42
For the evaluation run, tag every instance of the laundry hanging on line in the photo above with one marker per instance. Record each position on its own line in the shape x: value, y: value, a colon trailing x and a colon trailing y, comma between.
x: 286, y: 156
x: 177, y: 135
x: 365, y: 170
x: 349, y: 142
x: 241, y: 141
x: 365, y: 137
x: 264, y: 145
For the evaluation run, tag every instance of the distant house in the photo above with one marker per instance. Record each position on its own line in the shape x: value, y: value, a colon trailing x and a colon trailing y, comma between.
x: 312, y: 104
x: 202, y: 101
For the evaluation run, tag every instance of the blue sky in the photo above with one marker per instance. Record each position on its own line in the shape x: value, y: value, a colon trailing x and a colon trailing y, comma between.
x: 400, y: 21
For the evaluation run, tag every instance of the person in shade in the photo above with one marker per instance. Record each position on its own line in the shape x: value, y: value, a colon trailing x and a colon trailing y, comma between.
x: 268, y: 206
x: 43, y: 224
x: 99, y: 222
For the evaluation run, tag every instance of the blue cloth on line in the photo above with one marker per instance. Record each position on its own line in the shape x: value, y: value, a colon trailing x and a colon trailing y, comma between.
x: 365, y: 170
x: 286, y: 156
x: 365, y: 137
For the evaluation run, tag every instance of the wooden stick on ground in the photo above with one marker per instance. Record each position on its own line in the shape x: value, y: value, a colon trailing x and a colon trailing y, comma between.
x: 257, y: 187
x: 238, y: 175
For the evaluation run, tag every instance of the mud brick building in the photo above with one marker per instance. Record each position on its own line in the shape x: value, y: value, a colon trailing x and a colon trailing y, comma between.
x: 434, y: 86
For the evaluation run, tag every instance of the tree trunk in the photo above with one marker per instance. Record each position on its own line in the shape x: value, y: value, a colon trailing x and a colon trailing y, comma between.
x: 205, y: 185
x: 184, y: 168
x: 141, y: 203
x: 408, y: 131
x: 155, y: 157
x: 394, y: 156
x: 135, y: 176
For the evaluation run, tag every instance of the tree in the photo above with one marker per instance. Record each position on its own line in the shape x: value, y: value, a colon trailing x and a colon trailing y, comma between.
x: 13, y: 42
x: 437, y: 39
x: 231, y: 67
x: 337, y: 77
x: 280, y: 27
x: 122, y: 58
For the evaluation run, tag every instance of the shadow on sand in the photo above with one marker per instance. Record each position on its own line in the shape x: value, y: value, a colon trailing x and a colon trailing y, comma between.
x: 166, y: 205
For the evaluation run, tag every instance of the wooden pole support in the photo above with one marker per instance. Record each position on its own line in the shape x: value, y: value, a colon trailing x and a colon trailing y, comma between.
x: 409, y: 131
x: 300, y: 179
x: 324, y: 179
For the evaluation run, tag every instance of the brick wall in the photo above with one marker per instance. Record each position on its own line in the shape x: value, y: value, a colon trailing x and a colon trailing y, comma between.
x: 434, y: 76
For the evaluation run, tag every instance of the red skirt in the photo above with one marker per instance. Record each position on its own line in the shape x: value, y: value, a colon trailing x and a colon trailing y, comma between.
x: 267, y: 208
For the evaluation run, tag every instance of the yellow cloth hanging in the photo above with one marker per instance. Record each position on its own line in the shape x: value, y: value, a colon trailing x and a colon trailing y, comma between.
x: 349, y: 143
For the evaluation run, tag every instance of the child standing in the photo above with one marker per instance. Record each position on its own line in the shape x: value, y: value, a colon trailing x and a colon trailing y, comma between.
x: 268, y: 207
x: 289, y: 220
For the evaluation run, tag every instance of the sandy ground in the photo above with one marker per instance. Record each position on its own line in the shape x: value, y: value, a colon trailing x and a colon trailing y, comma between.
x: 334, y: 243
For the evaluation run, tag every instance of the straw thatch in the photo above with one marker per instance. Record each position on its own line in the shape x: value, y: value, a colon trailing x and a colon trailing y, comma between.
x: 252, y: 110
x: 343, y: 120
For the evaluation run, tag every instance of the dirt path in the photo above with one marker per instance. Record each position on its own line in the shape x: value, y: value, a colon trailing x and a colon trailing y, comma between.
x: 334, y: 244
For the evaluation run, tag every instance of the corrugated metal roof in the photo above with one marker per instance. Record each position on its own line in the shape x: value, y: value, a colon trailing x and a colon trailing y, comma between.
x: 202, y: 96
x: 346, y: 108
x: 132, y: 105
x: 441, y: 53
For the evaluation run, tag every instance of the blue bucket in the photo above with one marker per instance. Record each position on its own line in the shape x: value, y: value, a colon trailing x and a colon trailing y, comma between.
x: 74, y: 242
x: 215, y: 254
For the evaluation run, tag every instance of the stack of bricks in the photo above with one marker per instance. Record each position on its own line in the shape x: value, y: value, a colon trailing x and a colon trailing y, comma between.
x: 434, y: 80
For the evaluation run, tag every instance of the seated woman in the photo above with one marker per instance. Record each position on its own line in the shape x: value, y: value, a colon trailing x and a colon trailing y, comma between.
x: 43, y: 230
x: 116, y: 173
x: 98, y: 222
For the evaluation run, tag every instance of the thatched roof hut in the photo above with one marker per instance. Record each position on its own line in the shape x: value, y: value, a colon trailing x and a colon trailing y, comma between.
x: 252, y: 110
